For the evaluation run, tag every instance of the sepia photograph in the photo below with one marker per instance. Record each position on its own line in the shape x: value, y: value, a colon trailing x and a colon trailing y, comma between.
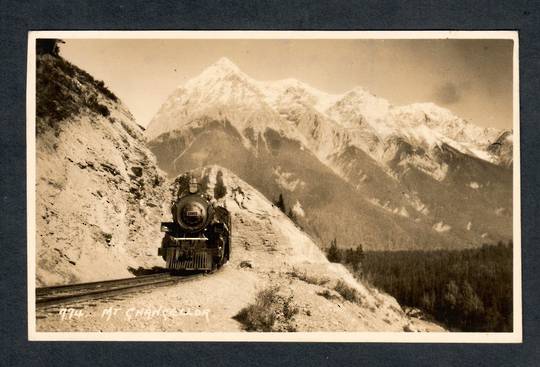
x: 274, y: 186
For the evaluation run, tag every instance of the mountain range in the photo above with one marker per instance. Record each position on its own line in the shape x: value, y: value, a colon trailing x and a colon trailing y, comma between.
x: 350, y: 166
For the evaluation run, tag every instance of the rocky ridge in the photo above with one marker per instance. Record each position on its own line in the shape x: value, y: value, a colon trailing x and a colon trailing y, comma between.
x: 223, y: 91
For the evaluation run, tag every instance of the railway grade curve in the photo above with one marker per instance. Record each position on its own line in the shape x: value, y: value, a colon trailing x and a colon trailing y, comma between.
x: 71, y: 293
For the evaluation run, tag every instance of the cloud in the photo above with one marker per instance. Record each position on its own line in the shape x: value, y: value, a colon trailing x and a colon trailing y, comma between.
x: 447, y: 93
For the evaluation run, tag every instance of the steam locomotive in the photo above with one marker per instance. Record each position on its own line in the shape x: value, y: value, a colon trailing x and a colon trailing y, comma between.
x: 199, y: 237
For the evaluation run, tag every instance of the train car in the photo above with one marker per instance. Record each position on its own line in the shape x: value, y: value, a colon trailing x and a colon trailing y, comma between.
x: 199, y: 237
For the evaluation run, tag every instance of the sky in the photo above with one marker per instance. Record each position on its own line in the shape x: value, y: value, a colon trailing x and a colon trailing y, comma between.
x: 472, y: 78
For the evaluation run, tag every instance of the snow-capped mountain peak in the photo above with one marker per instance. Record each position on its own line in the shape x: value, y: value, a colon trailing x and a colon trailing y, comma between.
x: 453, y: 130
x: 223, y: 69
x: 221, y: 92
x: 278, y: 91
x: 226, y: 63
x: 357, y: 106
x: 356, y: 118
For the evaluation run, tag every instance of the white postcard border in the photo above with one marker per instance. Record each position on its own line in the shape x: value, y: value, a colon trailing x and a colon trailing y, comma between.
x: 385, y: 337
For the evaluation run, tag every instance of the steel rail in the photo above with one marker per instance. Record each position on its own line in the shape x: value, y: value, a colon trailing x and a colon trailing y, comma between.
x: 71, y: 293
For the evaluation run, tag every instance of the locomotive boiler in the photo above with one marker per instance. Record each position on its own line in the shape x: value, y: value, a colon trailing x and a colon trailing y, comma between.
x: 199, y: 237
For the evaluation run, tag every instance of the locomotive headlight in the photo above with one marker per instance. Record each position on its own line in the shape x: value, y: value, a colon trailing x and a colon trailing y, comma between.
x: 193, y: 214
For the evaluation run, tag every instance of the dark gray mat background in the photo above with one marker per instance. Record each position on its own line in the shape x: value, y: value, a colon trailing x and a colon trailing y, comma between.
x: 17, y: 18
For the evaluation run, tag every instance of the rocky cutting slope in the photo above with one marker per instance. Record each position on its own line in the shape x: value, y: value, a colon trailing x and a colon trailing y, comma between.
x: 98, y: 191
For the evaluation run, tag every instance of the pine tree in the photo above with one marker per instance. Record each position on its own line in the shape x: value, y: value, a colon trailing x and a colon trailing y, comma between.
x: 219, y: 189
x: 333, y: 254
x: 280, y: 203
x: 451, y: 299
x: 470, y: 304
x: 357, y: 257
x: 48, y: 46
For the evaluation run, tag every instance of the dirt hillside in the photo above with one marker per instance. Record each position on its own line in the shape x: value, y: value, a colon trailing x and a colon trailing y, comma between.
x: 98, y: 192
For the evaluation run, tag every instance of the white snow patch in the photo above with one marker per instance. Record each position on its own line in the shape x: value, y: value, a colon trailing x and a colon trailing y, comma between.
x: 422, y: 132
x: 469, y: 226
x: 386, y: 206
x: 403, y: 212
x: 482, y: 154
x: 298, y: 210
x: 286, y: 180
x: 428, y: 166
x: 474, y: 185
x: 441, y: 227
x: 417, y: 204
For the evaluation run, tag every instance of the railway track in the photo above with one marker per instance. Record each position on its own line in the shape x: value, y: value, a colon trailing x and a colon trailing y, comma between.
x: 50, y: 296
